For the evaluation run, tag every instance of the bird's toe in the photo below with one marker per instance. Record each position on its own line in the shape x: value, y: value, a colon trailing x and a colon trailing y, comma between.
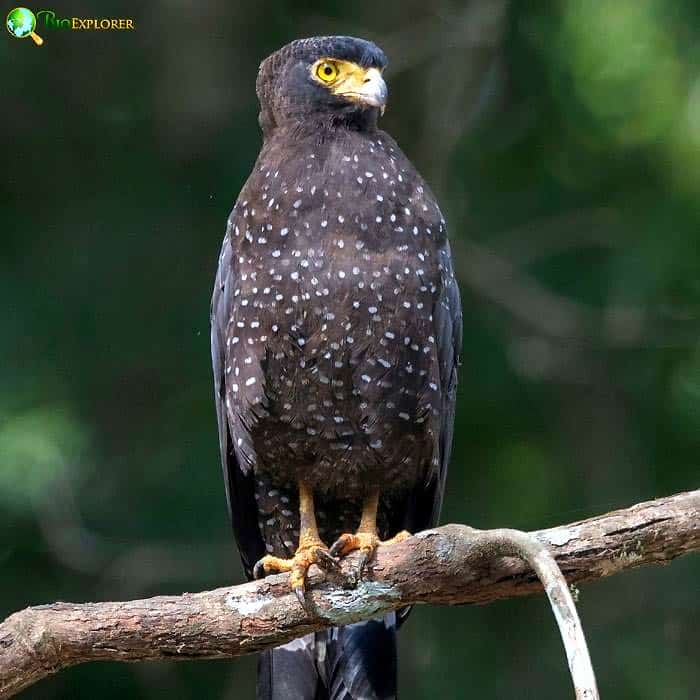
x: 298, y: 566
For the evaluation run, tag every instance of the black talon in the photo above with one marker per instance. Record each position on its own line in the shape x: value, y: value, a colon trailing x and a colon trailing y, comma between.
x: 325, y: 560
x: 299, y: 593
x: 336, y: 549
x: 365, y: 556
x: 259, y: 570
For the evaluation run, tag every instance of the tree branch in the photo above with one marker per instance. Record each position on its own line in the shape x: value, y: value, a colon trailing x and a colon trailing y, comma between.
x: 450, y: 565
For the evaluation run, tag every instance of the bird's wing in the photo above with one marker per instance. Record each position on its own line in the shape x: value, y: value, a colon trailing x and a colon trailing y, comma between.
x: 239, y: 483
x: 423, y: 509
x: 447, y: 317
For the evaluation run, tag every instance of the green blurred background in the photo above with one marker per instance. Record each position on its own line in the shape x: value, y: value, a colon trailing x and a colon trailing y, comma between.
x: 563, y: 139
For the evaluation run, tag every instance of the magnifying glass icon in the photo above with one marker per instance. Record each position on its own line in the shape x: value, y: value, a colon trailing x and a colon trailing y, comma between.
x: 21, y: 23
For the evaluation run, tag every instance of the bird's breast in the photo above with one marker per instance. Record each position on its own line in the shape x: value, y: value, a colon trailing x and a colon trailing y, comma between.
x: 331, y: 346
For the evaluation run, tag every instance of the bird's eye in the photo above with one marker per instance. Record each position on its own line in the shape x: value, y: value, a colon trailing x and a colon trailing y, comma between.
x: 327, y: 71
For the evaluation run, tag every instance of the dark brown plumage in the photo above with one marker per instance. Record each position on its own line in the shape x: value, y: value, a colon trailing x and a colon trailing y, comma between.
x: 336, y: 322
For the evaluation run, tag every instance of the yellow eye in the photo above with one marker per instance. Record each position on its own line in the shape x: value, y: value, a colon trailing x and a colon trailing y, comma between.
x: 326, y: 71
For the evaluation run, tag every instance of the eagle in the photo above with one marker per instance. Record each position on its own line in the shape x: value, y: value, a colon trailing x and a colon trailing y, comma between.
x: 336, y: 331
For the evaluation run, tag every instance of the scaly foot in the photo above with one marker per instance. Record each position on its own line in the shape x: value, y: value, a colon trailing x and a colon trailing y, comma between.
x: 298, y: 566
x: 366, y: 543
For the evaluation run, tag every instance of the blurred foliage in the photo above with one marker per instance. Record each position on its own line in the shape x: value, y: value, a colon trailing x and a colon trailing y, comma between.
x: 562, y: 137
x: 39, y: 448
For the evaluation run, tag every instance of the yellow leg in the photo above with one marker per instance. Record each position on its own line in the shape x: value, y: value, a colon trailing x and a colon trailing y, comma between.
x: 366, y: 538
x: 311, y: 549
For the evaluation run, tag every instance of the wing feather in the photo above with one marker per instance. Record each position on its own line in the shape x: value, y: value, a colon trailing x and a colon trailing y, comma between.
x: 239, y: 483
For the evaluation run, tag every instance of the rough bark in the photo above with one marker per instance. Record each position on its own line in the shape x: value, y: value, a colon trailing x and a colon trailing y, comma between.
x: 450, y: 565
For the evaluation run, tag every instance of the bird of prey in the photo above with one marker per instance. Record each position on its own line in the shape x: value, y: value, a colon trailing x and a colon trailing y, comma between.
x: 336, y: 332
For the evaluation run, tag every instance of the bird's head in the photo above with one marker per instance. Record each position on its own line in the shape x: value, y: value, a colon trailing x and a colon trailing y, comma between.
x: 330, y: 79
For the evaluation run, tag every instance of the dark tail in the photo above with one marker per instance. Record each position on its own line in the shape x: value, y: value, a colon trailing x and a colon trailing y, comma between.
x: 356, y: 662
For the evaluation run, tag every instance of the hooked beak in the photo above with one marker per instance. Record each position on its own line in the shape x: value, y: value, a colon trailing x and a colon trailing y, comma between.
x: 365, y: 86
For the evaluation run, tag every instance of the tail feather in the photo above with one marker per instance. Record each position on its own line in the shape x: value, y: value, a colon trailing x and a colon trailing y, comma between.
x: 362, y: 660
x: 288, y: 671
x: 356, y: 662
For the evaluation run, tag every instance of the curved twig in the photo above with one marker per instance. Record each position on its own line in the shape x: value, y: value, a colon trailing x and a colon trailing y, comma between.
x: 515, y: 543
